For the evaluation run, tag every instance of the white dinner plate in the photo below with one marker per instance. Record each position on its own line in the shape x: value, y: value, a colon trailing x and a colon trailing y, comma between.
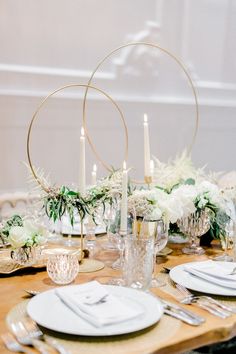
x: 192, y: 282
x: 48, y: 311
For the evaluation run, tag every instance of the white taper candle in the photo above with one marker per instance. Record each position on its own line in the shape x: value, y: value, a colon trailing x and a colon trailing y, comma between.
x: 147, y: 172
x: 124, y: 206
x: 82, y: 168
x: 94, y: 175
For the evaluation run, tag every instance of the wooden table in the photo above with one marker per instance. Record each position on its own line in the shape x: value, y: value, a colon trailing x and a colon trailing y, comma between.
x: 186, y: 337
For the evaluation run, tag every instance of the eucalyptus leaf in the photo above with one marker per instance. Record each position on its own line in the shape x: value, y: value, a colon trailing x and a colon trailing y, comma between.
x: 190, y: 181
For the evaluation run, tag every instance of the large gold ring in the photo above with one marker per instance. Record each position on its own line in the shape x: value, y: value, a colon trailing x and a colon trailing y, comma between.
x: 170, y: 55
x: 45, y: 188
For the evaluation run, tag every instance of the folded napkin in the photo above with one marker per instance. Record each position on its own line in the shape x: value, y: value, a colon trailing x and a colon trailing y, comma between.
x: 214, y: 273
x: 96, y: 305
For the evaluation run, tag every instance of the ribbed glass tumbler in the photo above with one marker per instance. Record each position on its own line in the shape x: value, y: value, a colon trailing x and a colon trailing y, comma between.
x: 138, y: 262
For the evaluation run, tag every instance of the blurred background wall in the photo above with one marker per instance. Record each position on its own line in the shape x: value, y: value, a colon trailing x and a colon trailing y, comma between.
x: 49, y: 43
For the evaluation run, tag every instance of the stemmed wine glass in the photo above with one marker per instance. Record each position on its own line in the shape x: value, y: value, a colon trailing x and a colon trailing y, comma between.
x: 70, y: 230
x: 194, y: 226
x: 158, y: 230
x: 109, y: 218
x: 119, y: 240
x: 229, y: 232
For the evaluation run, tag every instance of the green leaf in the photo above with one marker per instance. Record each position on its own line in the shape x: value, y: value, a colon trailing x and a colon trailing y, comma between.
x: 71, y: 193
x: 190, y: 181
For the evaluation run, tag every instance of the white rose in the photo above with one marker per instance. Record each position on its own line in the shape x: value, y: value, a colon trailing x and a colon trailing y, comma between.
x: 18, y: 236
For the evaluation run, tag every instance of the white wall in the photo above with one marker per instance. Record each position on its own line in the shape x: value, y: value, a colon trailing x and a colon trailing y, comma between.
x: 49, y: 43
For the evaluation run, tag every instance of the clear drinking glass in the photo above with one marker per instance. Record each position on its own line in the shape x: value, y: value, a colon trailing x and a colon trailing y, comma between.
x: 120, y: 244
x: 69, y: 230
x: 229, y: 234
x: 109, y: 219
x: 63, y: 268
x: 90, y: 241
x: 138, y: 262
x: 194, y: 226
x: 119, y: 241
x: 158, y: 230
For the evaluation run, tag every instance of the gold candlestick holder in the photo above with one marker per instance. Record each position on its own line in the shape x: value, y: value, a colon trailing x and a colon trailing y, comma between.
x: 148, y: 180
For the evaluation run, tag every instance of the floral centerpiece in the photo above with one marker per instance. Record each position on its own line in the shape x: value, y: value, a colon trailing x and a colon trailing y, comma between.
x: 25, y: 237
x: 193, y: 190
x: 65, y: 201
x: 178, y: 190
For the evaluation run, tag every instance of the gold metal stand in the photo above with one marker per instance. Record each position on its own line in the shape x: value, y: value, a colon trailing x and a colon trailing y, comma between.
x: 35, y: 115
x: 87, y: 265
x: 153, y: 45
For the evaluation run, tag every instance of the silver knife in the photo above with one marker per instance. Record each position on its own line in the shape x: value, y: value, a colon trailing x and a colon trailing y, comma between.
x: 182, y: 318
x: 183, y: 310
x: 182, y: 314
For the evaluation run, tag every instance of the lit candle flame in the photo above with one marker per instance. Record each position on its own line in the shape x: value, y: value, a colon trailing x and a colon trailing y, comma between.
x: 145, y: 118
x: 124, y: 165
x: 94, y: 168
x: 82, y: 131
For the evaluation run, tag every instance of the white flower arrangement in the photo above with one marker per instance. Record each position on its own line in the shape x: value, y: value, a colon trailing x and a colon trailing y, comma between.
x: 27, y: 235
x: 182, y: 201
x: 169, y: 174
x: 144, y: 203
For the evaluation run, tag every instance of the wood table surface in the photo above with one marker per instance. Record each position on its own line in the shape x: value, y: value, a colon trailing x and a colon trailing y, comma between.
x: 187, y: 337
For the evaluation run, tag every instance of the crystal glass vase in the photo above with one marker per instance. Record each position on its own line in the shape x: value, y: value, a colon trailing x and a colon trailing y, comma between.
x: 194, y: 226
x: 26, y: 256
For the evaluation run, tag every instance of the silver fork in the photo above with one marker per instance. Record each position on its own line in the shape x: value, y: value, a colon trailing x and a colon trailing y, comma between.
x: 210, y: 299
x: 205, y: 302
x: 35, y: 333
x: 12, y: 344
x: 24, y: 337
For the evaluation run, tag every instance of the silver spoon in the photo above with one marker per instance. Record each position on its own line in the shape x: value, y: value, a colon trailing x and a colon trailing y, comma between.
x: 32, y: 292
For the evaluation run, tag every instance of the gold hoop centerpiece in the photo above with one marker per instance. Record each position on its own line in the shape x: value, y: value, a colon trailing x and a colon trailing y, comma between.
x: 87, y: 265
x: 35, y: 115
x: 153, y: 45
